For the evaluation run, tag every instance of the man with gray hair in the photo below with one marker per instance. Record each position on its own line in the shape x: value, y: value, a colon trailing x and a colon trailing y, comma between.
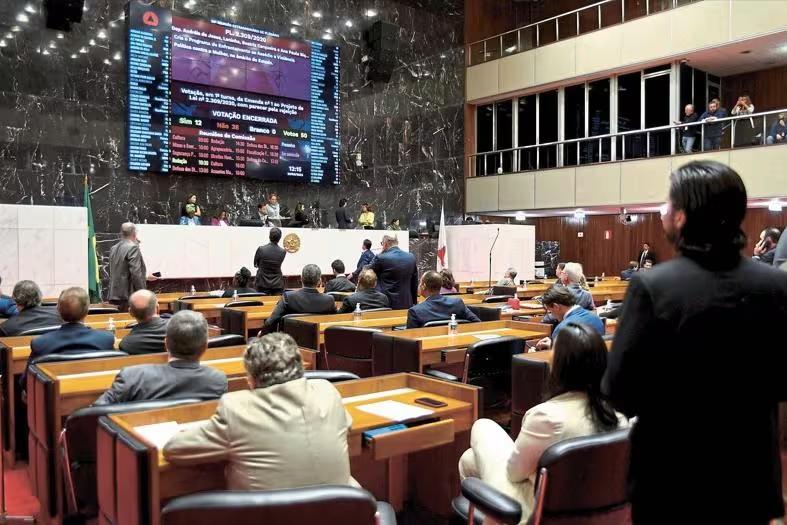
x: 397, y: 274
x: 307, y: 300
x: 181, y: 378
x: 284, y: 432
x: 573, y: 275
x: 27, y: 296
x: 126, y: 267
x: 147, y: 335
x: 508, y: 278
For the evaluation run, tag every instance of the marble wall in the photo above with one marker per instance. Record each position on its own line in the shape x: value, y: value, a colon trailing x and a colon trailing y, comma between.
x: 62, y: 113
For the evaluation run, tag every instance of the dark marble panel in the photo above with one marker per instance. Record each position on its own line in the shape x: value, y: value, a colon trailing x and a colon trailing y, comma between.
x: 549, y: 253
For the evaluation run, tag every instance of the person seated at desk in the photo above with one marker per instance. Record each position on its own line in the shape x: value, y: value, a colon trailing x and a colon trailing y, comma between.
x: 284, y: 432
x: 27, y: 297
x: 508, y: 279
x: 181, y: 378
x: 147, y: 336
x: 394, y: 225
x: 573, y: 277
x: 437, y: 307
x: 307, y: 300
x: 301, y: 217
x: 73, y: 306
x: 629, y: 272
x: 562, y: 304
x: 449, y: 284
x: 575, y: 408
x: 366, y: 294
x: 7, y: 306
x: 240, y: 283
x: 340, y: 282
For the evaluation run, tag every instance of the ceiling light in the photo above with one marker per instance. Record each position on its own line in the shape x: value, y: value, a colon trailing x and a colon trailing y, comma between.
x: 45, y: 52
x: 327, y: 36
x: 107, y: 62
x: 317, y: 14
x: 2, y: 43
x: 84, y: 8
x: 16, y: 29
x: 117, y: 56
x: 30, y: 8
x: 348, y: 23
x: 356, y: 90
x: 510, y: 49
x: 9, y: 35
x: 73, y: 55
x: 21, y: 17
x: 370, y: 13
x: 101, y: 34
x: 520, y: 216
x: 775, y: 205
x: 60, y: 36
x: 293, y: 30
x: 329, y: 30
x: 92, y: 42
x: 52, y: 44
x: 83, y: 50
x: 296, y: 22
x: 442, y: 56
x: 579, y: 215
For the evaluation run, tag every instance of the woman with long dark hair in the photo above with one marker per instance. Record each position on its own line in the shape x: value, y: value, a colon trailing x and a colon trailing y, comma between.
x: 574, y: 407
x: 190, y: 212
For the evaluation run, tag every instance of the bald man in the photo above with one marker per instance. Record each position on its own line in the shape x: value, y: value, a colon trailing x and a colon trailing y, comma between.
x: 73, y: 335
x: 148, y: 334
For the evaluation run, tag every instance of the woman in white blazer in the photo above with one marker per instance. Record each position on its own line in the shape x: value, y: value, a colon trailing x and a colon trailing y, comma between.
x: 575, y: 407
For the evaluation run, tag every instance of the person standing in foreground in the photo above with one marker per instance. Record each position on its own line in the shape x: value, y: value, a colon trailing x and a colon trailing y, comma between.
x: 706, y: 438
x: 397, y: 274
x: 126, y: 267
x: 268, y: 260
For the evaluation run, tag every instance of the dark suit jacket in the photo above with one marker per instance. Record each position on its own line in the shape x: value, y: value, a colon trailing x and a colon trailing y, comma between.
x: 397, y: 277
x: 369, y: 299
x: 178, y: 379
x: 439, y: 307
x: 29, y: 318
x: 650, y: 256
x: 303, y: 301
x: 71, y: 337
x: 127, y: 270
x: 146, y: 338
x: 268, y: 261
x: 707, y: 431
x: 766, y: 257
x: 343, y: 220
x: 627, y: 274
x: 366, y: 258
x: 340, y: 283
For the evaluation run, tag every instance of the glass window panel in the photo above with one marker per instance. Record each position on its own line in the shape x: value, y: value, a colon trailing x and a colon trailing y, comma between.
x: 527, y: 132
x: 629, y: 89
x: 567, y: 25
x: 547, y: 33
x: 635, y: 9
x: 657, y: 69
x: 573, y: 122
x: 510, y: 43
x: 700, y: 96
x: 527, y: 38
x: 477, y: 53
x: 598, y: 121
x: 611, y: 13
x: 492, y: 49
x: 686, y: 93
x: 505, y: 132
x: 483, y: 125
x: 588, y: 20
x: 657, y: 113
x: 547, y: 120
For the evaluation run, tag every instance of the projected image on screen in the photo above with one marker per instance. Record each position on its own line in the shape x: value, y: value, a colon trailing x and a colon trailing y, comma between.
x: 217, y: 98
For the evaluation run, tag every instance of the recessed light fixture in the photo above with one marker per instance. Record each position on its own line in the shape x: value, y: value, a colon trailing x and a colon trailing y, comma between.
x: 83, y: 50
x: 60, y: 36
x: 348, y: 23
x: 45, y: 52
x: 775, y: 205
x: 16, y: 29
x: 52, y: 44
x: 579, y: 215
x: 520, y: 216
x: 92, y: 42
x: 30, y: 8
x: 293, y: 30
x: 22, y: 17
x: 296, y: 22
x: 370, y: 13
x: 356, y: 90
x: 107, y: 62
x: 73, y: 55
x: 327, y: 36
x: 442, y: 55
x: 317, y: 14
x: 2, y: 43
x: 117, y: 56
x: 510, y: 49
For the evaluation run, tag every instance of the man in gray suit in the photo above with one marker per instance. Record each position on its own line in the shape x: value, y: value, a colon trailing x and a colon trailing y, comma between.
x: 148, y: 335
x: 182, y: 377
x: 126, y: 267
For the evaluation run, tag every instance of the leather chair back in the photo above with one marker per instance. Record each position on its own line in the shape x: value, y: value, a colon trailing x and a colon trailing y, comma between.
x: 444, y: 322
x: 496, y: 298
x: 94, y: 310
x: 78, y: 444
x: 375, y: 309
x: 40, y: 330
x: 504, y: 290
x: 242, y: 303
x: 393, y: 354
x: 488, y: 365
x: 486, y: 314
x: 76, y: 355
x: 252, y: 294
x: 185, y: 297
x: 584, y: 478
x: 350, y: 348
x: 220, y: 341
x: 232, y: 321
x: 305, y: 334
x: 326, y: 505
x: 332, y: 376
x: 528, y: 385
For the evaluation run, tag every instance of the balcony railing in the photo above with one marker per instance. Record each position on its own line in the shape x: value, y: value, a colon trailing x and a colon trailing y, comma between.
x: 757, y: 129
x: 567, y: 25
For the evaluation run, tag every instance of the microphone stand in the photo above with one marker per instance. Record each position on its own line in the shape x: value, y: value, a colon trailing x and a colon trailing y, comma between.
x: 490, y: 260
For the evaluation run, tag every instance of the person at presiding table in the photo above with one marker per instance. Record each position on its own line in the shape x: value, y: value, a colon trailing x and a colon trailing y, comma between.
x: 437, y: 307
x: 284, y: 432
x: 27, y: 297
x: 561, y: 303
x: 7, y: 306
x: 240, y: 283
x: 73, y: 335
x: 182, y: 377
x: 365, y: 294
x: 340, y: 282
x: 268, y: 260
x: 307, y: 300
x: 397, y: 274
x: 575, y: 407
x: 148, y: 334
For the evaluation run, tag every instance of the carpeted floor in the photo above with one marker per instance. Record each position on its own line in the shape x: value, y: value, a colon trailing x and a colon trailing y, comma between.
x: 19, y: 496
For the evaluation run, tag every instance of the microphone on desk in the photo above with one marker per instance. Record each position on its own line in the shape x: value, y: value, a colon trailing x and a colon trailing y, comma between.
x: 490, y: 260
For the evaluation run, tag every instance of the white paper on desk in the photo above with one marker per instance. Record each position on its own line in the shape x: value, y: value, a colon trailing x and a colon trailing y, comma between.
x: 484, y: 337
x: 394, y: 410
x: 216, y: 293
x: 159, y: 433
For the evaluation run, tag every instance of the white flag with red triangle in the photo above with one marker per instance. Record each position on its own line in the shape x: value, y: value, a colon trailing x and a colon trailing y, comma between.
x: 442, y: 243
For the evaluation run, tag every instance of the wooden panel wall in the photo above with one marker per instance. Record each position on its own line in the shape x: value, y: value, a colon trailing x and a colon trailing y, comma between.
x: 766, y: 88
x: 598, y: 255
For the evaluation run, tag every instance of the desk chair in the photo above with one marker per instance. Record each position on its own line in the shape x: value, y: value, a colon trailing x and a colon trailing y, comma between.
x: 303, y: 333
x: 496, y: 299
x: 40, y: 330
x: 77, y: 444
x: 326, y: 505
x: 220, y: 341
x: 350, y: 348
x: 579, y: 480
x: 528, y: 383
x: 444, y: 322
x: 76, y: 355
x: 332, y: 376
x: 253, y: 294
x: 510, y: 291
x: 94, y: 310
x: 486, y: 314
x: 243, y: 303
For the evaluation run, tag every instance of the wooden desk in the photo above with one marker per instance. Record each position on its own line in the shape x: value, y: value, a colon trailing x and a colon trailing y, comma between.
x: 525, y: 308
x: 243, y: 319
x: 417, y: 464
x: 55, y: 390
x: 211, y: 307
x: 166, y: 299
x: 384, y: 320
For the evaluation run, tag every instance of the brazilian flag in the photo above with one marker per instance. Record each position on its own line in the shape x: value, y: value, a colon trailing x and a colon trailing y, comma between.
x: 93, y: 279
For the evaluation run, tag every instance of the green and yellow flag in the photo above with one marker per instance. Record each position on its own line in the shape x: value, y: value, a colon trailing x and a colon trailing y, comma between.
x: 93, y: 279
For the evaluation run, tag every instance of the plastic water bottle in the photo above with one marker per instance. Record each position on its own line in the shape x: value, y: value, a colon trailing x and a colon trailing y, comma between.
x: 111, y: 325
x: 609, y: 304
x: 453, y: 326
x: 234, y: 295
x: 603, y: 275
x: 193, y: 290
x: 596, y: 279
x: 357, y: 314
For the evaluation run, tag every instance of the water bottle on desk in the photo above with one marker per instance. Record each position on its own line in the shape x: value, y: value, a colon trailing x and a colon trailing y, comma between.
x: 111, y: 325
x: 357, y: 314
x: 193, y: 290
x: 453, y: 326
x: 234, y: 295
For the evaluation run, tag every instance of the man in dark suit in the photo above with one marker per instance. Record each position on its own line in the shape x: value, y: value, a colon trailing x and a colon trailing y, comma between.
x: 366, y: 294
x: 646, y: 254
x: 705, y: 448
x: 27, y: 296
x: 397, y: 274
x: 73, y: 335
x: 182, y: 377
x: 126, y: 267
x: 765, y: 249
x: 268, y: 261
x: 367, y: 256
x: 343, y: 219
x: 147, y: 336
x: 340, y: 282
x: 437, y: 307
x: 307, y: 300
